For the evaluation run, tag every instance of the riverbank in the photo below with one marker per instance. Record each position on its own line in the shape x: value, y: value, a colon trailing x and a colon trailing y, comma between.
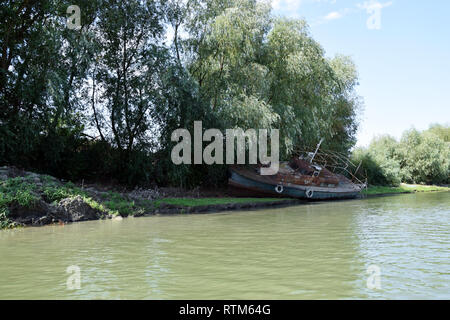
x: 403, y: 188
x: 27, y: 198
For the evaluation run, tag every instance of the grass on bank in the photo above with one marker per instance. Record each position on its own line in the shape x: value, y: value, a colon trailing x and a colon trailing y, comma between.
x: 21, y: 191
x: 403, y: 188
x: 27, y: 191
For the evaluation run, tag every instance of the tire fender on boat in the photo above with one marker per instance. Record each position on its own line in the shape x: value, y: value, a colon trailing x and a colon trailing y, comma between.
x: 279, y: 188
x: 309, y: 193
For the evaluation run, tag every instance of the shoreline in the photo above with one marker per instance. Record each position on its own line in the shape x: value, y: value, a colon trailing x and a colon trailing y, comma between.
x: 403, y: 188
x: 30, y: 199
x: 282, y: 202
x: 172, y: 210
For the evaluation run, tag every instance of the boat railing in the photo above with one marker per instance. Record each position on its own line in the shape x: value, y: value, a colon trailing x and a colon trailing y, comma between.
x: 337, y: 163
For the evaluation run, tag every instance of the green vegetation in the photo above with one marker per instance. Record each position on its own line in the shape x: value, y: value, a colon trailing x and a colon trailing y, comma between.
x: 5, y: 222
x: 101, y: 102
x: 17, y: 190
x: 25, y: 192
x: 53, y: 193
x: 195, y: 202
x: 119, y: 204
x: 403, y: 188
x: 418, y: 158
x: 98, y: 206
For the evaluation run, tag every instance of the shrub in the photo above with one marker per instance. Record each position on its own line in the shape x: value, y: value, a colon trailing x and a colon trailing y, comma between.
x: 5, y: 222
x: 419, y: 157
x: 17, y: 190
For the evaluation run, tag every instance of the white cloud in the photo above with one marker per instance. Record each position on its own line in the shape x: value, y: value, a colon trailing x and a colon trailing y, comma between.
x: 286, y: 5
x: 333, y: 15
x: 326, y: 1
x: 373, y: 5
x: 289, y: 5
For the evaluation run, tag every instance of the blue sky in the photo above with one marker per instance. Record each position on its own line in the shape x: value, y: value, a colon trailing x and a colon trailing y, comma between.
x: 403, y: 58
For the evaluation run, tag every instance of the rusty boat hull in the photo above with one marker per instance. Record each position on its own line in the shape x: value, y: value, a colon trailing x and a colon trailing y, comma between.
x: 301, y: 183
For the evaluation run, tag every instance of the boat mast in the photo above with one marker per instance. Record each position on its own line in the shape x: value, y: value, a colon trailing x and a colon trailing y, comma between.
x: 317, y: 149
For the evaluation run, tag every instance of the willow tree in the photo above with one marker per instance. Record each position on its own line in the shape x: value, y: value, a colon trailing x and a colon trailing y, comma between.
x: 257, y: 71
x: 126, y: 75
x: 313, y: 96
x: 442, y: 131
x: 229, y: 68
x: 424, y: 157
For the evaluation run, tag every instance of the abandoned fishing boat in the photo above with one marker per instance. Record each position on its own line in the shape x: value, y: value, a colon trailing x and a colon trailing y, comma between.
x: 312, y: 176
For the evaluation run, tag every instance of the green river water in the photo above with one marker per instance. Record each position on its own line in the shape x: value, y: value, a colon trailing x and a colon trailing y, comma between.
x: 313, y: 251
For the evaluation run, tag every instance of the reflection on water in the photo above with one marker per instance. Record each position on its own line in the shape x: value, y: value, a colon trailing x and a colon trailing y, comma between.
x: 314, y: 251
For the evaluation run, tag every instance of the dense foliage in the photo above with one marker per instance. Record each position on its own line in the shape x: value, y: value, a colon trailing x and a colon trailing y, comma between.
x: 102, y: 101
x: 419, y: 157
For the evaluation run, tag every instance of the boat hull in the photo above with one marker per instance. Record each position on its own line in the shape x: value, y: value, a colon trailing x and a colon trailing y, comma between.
x: 238, y: 180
